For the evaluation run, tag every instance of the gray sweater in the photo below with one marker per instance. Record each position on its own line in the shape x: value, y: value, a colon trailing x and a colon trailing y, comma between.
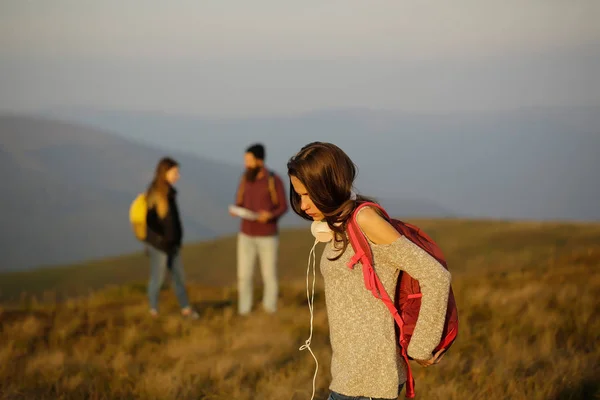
x: 365, y: 360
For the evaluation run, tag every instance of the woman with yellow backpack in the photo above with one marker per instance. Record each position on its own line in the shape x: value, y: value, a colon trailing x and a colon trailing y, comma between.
x: 155, y: 220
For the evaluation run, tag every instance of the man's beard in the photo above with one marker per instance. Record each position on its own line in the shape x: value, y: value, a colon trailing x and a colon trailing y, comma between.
x: 252, y: 173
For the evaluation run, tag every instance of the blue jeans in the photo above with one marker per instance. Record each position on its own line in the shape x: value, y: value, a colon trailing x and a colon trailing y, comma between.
x: 338, y: 396
x: 159, y: 262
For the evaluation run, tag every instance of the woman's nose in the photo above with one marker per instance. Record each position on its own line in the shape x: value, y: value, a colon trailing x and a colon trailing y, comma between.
x: 304, y: 205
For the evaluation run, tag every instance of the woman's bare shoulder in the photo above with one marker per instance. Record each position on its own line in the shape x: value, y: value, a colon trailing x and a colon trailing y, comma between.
x: 376, y: 227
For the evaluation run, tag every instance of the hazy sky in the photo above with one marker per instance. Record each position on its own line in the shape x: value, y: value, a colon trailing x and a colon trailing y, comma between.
x: 269, y: 57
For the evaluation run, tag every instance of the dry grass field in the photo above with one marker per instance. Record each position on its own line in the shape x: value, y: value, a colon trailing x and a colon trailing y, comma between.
x: 528, y: 295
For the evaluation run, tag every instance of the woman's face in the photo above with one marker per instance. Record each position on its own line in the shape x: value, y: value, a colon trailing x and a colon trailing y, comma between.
x: 173, y: 175
x: 306, y: 203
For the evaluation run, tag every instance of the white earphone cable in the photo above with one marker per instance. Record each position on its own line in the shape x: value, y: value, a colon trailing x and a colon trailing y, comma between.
x: 311, y: 301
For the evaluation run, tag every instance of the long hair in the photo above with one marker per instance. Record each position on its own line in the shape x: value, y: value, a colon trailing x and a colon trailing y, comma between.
x: 328, y: 175
x: 158, y: 190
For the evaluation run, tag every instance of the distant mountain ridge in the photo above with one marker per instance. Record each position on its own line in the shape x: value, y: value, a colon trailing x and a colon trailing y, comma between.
x: 67, y: 189
x: 531, y: 163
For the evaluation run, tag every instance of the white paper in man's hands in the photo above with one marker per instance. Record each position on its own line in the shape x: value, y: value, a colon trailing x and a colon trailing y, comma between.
x: 243, y: 213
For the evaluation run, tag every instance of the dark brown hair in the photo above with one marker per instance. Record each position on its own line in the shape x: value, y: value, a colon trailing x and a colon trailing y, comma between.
x: 328, y: 175
x: 158, y: 190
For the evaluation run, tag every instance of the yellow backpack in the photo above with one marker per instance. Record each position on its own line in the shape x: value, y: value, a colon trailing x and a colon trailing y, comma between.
x: 137, y: 216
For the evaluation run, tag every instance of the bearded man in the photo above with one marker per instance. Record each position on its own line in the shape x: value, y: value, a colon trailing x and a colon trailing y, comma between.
x: 262, y: 192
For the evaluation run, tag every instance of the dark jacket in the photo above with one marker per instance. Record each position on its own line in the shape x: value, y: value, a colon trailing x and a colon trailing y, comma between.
x: 166, y: 233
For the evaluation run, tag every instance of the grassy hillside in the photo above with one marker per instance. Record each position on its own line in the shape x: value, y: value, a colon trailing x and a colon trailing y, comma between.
x: 527, y: 295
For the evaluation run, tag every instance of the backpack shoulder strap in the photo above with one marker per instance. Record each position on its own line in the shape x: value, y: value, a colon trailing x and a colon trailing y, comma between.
x: 364, y: 255
x: 358, y: 240
x: 360, y: 245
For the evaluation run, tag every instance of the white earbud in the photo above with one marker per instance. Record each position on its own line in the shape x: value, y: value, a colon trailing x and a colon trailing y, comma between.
x: 321, y: 231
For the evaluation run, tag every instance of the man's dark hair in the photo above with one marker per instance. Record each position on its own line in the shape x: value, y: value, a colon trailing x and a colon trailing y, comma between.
x: 258, y: 150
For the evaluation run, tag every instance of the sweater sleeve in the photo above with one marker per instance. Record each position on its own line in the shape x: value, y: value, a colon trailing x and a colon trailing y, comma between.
x: 434, y: 281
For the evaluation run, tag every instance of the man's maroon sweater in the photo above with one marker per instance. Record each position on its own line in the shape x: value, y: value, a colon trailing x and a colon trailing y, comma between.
x: 257, y: 198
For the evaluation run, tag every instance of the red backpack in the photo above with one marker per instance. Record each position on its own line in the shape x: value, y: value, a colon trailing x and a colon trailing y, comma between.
x: 405, y: 313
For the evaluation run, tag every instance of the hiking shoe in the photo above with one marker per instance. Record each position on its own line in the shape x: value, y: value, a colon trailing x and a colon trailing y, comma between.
x: 190, y: 313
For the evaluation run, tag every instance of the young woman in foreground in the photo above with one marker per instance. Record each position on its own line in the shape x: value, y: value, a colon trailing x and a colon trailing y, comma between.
x: 365, y: 360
